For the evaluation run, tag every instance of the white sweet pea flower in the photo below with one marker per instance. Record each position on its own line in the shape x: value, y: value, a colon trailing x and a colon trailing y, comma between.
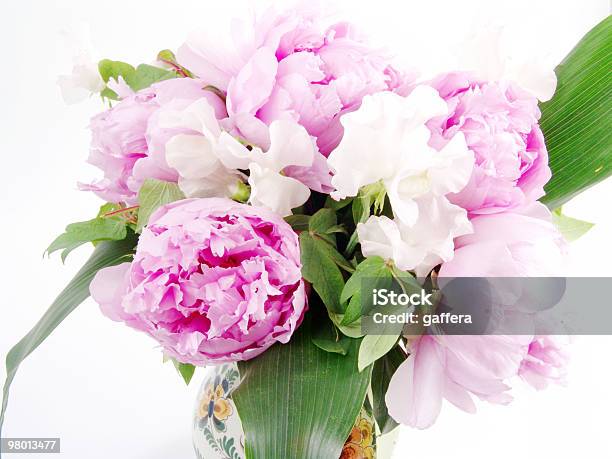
x: 195, y: 156
x: 209, y: 161
x: 85, y: 79
x: 432, y: 173
x: 386, y: 141
x: 83, y: 82
x: 419, y: 247
x: 496, y: 53
x: 382, y: 136
x: 290, y: 145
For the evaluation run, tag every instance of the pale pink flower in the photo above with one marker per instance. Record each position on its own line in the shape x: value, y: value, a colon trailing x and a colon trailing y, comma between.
x: 290, y: 66
x: 545, y: 362
x: 511, y: 244
x: 500, y: 124
x: 128, y: 143
x: 455, y: 368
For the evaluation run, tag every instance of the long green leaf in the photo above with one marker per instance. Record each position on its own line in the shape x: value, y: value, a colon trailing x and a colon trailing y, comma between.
x: 384, y: 369
x: 106, y: 254
x: 319, y: 267
x: 297, y: 401
x: 576, y: 121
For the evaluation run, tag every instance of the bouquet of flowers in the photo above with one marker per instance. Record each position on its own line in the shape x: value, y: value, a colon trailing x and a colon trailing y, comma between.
x: 252, y: 189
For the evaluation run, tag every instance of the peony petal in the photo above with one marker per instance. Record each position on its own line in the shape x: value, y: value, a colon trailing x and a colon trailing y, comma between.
x: 414, y: 396
x: 107, y: 288
x: 250, y: 89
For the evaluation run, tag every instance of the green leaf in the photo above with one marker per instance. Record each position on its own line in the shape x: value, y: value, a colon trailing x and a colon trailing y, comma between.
x: 370, y: 195
x: 107, y: 208
x: 384, y: 369
x: 323, y: 220
x: 570, y: 228
x: 361, y: 208
x: 114, y: 69
x: 327, y: 337
x: 186, y: 370
x: 335, y: 229
x: 319, y: 267
x: 96, y: 230
x: 352, y: 330
x: 106, y: 254
x: 340, y: 261
x: 352, y: 244
x: 297, y: 401
x: 154, y: 194
x: 406, y: 281
x: 298, y: 222
x: 167, y: 56
x: 372, y: 273
x: 576, y: 121
x: 337, y: 205
x: 137, y: 78
x: 373, y: 347
x: 370, y: 267
x: 146, y: 75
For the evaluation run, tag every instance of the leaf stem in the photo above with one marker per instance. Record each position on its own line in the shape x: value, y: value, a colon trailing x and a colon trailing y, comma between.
x: 120, y: 211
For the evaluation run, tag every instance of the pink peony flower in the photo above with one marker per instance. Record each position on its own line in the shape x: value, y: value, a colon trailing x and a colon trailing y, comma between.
x: 212, y: 281
x: 454, y: 368
x: 128, y: 142
x: 511, y: 244
x: 500, y: 123
x: 289, y: 66
x: 545, y: 362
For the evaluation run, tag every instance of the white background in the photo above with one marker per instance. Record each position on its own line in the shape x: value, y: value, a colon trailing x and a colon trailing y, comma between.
x: 100, y: 386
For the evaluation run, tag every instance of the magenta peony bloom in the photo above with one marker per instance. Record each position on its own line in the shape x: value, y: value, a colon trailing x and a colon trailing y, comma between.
x: 500, y: 123
x: 512, y: 244
x: 454, y: 368
x: 212, y: 281
x: 545, y: 362
x: 289, y: 66
x: 128, y: 143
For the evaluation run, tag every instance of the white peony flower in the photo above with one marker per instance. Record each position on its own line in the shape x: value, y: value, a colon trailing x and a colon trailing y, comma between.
x: 387, y: 140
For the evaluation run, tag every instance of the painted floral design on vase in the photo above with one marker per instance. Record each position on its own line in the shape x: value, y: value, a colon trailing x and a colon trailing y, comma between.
x: 217, y: 430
